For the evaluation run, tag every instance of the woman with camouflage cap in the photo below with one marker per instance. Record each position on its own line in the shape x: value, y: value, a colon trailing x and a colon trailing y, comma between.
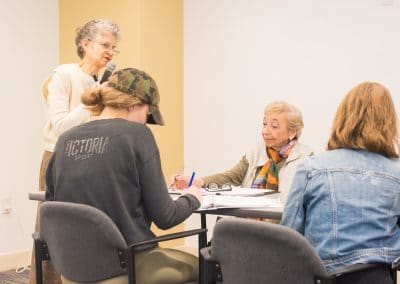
x: 113, y: 163
x: 96, y: 45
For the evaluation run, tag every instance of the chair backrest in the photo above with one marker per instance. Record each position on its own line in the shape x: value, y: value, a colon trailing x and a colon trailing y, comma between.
x: 82, y: 240
x: 258, y: 252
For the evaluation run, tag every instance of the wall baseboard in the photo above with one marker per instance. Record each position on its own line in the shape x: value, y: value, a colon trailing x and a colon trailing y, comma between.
x: 15, y: 259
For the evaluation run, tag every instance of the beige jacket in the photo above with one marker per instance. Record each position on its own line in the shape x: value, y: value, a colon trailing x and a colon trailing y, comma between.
x: 243, y: 173
x: 258, y: 157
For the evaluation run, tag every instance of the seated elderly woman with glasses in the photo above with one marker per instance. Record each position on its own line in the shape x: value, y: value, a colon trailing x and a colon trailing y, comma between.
x: 272, y: 163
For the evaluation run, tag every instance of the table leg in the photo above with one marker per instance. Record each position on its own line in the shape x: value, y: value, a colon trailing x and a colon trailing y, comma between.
x: 203, y: 243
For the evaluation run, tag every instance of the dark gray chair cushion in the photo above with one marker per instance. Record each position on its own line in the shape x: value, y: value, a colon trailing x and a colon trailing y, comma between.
x: 83, y: 241
x: 250, y: 251
x: 258, y: 252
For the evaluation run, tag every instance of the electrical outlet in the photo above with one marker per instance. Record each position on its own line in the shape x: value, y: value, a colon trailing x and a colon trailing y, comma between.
x: 6, y: 205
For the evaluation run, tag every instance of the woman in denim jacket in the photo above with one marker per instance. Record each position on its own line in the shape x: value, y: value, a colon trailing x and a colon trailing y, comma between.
x: 346, y: 201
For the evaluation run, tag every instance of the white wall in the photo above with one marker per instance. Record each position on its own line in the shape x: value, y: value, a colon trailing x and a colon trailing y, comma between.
x: 29, y: 51
x: 240, y: 55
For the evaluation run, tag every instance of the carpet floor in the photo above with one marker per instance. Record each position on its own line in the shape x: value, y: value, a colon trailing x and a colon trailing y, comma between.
x: 12, y: 277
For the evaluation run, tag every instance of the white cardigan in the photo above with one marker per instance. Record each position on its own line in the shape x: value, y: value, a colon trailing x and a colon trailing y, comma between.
x: 64, y: 89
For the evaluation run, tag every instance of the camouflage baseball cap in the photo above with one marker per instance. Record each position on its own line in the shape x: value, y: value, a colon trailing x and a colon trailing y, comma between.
x: 138, y: 83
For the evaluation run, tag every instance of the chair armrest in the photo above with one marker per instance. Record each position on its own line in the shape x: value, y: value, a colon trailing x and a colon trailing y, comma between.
x: 170, y: 237
x: 354, y: 268
x: 39, y: 196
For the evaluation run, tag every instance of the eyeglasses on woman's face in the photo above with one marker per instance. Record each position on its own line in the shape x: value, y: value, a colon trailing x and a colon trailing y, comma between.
x: 108, y: 46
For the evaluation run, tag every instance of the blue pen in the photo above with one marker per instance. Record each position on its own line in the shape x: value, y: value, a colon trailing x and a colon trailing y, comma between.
x: 191, y: 179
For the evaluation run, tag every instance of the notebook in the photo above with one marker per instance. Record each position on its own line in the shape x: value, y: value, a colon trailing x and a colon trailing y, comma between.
x: 236, y: 191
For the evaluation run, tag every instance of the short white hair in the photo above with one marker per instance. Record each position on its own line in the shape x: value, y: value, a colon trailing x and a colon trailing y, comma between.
x: 91, y: 30
x: 293, y: 114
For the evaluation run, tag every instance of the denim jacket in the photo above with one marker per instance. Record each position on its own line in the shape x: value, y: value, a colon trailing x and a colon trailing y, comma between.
x: 347, y: 203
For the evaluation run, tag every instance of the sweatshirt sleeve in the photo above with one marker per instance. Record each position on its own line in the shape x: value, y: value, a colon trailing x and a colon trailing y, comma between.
x: 160, y: 207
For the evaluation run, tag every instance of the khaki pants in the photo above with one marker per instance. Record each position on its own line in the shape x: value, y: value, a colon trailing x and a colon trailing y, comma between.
x: 159, y: 266
x: 50, y: 275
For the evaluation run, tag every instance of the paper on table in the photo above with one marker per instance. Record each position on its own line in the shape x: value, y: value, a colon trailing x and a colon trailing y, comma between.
x: 224, y: 201
x: 242, y: 191
x: 236, y: 191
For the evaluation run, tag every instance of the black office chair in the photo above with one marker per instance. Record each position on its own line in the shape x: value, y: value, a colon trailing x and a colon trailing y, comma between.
x: 247, y: 251
x: 84, y: 244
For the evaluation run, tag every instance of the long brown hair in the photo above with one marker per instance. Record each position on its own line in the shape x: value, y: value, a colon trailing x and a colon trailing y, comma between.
x: 97, y: 99
x: 366, y: 120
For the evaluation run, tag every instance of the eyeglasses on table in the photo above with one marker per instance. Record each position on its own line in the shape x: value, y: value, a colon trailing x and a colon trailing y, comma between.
x: 215, y: 187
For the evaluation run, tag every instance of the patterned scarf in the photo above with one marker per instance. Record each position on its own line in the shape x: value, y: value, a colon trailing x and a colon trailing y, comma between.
x: 267, y: 177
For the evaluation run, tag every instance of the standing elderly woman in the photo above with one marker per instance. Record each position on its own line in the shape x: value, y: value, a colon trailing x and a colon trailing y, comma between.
x: 346, y: 201
x: 272, y: 163
x: 96, y: 45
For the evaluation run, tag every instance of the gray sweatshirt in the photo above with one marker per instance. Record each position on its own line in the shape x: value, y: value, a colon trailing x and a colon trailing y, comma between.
x: 114, y: 165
